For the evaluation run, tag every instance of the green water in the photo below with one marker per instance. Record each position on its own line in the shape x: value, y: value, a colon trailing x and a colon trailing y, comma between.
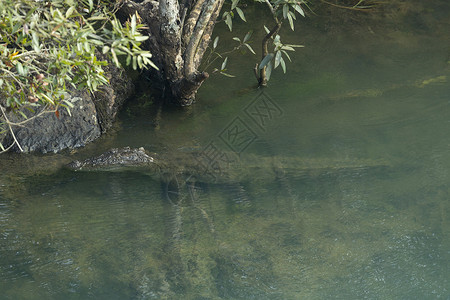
x: 365, y: 106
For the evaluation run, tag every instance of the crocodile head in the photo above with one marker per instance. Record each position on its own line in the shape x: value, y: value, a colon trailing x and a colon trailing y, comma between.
x: 114, y: 159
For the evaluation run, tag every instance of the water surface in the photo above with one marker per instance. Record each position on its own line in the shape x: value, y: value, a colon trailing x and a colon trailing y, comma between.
x: 366, y: 215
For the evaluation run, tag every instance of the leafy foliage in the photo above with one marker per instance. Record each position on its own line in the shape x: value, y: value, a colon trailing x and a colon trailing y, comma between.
x: 47, y: 46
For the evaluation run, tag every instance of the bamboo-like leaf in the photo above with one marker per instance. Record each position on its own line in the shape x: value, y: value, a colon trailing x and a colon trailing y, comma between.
x: 266, y: 29
x: 133, y: 24
x: 134, y: 63
x: 299, y: 9
x: 291, y: 22
x: 105, y: 49
x: 226, y: 74
x: 247, y: 36
x: 287, y: 55
x: 216, y: 40
x: 115, y: 60
x: 70, y: 11
x: 241, y: 14
x: 234, y: 4
x: 249, y: 48
x: 229, y: 22
x: 35, y: 42
x: 224, y: 64
x: 277, y: 59
x: 292, y: 15
x: 268, y: 71
x: 283, y: 65
x: 19, y: 68
x: 285, y: 10
x: 237, y: 39
x: 265, y: 60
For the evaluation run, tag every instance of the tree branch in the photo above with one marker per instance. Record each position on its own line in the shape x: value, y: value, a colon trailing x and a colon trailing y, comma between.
x: 191, y: 21
x: 11, y: 131
x: 207, y: 11
x: 207, y: 34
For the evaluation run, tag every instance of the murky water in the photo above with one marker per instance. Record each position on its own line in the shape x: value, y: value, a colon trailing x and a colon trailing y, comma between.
x: 350, y: 200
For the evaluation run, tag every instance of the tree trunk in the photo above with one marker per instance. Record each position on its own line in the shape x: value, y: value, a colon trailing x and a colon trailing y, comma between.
x: 179, y: 32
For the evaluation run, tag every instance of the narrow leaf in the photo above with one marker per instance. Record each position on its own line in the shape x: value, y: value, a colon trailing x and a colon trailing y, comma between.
x: 247, y: 36
x: 234, y: 4
x: 229, y: 22
x: 224, y: 64
x: 216, y: 40
x: 268, y: 71
x: 277, y: 59
x: 287, y: 55
x: 299, y: 9
x: 241, y: 14
x: 133, y: 24
x: 266, y: 60
x: 249, y: 48
x: 291, y: 22
x: 226, y: 74
x: 70, y: 11
x: 283, y: 65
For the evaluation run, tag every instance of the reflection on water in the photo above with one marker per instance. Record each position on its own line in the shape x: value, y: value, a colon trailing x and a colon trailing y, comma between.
x: 366, y: 214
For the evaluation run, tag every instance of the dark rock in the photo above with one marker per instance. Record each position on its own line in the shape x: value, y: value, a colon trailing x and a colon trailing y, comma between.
x: 109, y: 99
x: 52, y: 133
x: 91, y: 116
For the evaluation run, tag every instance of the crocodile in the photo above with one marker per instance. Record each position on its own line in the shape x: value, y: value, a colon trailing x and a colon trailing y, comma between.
x: 182, y: 176
x: 233, y: 168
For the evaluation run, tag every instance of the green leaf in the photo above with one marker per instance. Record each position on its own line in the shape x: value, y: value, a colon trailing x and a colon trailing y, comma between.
x: 283, y: 65
x: 19, y: 69
x: 249, y: 48
x: 234, y: 4
x: 292, y: 15
x: 299, y: 9
x: 115, y: 60
x: 265, y: 60
x: 237, y: 39
x: 247, y: 36
x: 70, y: 11
x: 266, y: 29
x: 226, y: 74
x: 216, y: 40
x: 224, y: 64
x: 285, y: 10
x: 268, y: 71
x: 291, y: 22
x: 241, y: 14
x: 277, y: 59
x: 229, y: 22
x: 35, y: 42
x: 287, y: 55
x: 133, y: 24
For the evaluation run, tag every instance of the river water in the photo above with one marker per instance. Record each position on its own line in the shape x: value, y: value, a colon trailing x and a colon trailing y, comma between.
x: 349, y: 197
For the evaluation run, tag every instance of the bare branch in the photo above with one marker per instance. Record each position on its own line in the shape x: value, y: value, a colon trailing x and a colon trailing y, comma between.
x: 10, y: 130
x: 207, y: 34
x: 189, y: 66
x: 191, y: 21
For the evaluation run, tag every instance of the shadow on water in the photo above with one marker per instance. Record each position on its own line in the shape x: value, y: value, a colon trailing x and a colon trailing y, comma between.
x: 344, y: 196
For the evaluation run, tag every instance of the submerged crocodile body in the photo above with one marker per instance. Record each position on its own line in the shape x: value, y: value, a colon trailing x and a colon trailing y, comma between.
x: 234, y: 169
x: 182, y: 176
